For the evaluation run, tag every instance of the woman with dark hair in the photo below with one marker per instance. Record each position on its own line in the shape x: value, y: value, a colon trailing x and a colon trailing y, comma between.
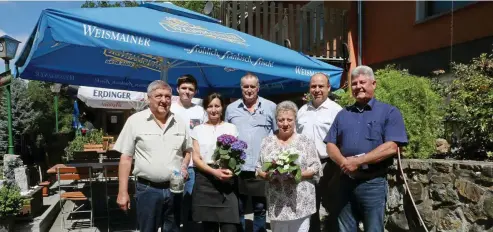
x: 214, y: 201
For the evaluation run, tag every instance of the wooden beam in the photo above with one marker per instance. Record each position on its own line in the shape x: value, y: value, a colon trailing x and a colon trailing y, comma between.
x: 272, y: 22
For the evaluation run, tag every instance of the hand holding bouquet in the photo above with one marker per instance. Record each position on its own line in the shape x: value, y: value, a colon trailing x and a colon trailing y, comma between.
x: 230, y: 153
x: 284, y: 167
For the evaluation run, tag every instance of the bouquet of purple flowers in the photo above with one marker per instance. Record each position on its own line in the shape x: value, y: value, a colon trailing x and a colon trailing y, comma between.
x: 230, y: 153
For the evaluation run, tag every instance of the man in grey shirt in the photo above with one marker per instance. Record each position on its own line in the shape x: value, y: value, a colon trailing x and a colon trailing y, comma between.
x: 254, y: 118
x: 159, y: 142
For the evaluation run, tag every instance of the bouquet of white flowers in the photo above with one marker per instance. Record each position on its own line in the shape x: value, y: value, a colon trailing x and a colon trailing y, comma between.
x: 286, y: 166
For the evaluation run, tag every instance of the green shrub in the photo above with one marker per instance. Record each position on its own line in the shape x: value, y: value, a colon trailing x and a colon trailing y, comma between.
x: 420, y: 105
x: 94, y: 137
x: 469, y: 115
x: 11, y: 199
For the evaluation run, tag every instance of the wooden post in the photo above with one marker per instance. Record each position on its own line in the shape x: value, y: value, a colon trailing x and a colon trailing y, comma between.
x: 299, y: 29
x: 316, y: 32
x: 242, y: 16
x: 249, y: 6
x: 257, y: 19
x: 235, y: 15
x: 327, y: 28
x: 265, y: 15
x: 291, y: 26
x: 272, y: 22
x: 280, y: 14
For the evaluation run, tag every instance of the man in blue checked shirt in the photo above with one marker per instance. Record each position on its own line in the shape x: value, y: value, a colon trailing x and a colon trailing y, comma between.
x: 254, y: 118
x: 362, y: 141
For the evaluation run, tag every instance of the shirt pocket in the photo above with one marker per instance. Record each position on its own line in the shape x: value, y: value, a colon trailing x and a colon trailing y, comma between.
x: 374, y: 131
x: 261, y: 120
x: 149, y: 141
x: 176, y: 140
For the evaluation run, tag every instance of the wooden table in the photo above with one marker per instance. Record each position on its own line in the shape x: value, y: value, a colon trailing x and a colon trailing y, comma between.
x: 53, y: 170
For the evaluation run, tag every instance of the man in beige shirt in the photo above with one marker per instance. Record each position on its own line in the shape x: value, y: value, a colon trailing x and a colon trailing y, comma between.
x: 159, y: 142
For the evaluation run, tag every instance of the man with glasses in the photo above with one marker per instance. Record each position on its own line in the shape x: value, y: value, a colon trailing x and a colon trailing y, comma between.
x: 254, y: 117
x: 160, y: 144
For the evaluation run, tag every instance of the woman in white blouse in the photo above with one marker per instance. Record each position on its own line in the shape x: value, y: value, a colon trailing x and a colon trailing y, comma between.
x: 214, y: 201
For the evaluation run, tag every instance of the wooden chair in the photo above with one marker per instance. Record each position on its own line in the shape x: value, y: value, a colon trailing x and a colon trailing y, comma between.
x: 69, y: 179
x: 114, y: 214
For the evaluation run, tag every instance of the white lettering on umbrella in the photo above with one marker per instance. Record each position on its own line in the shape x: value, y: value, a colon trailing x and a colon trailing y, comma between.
x: 306, y: 72
x: 229, y: 55
x: 99, y: 33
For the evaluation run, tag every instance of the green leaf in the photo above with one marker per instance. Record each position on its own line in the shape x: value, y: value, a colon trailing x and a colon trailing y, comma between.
x: 293, y: 157
x: 266, y: 166
x: 225, y: 157
x: 297, y: 177
x: 232, y: 164
x: 223, y: 151
x: 282, y: 170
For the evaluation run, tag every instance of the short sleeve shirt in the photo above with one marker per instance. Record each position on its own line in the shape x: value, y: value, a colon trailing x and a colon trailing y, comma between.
x: 206, y: 135
x: 252, y: 127
x: 360, y: 129
x: 157, y: 151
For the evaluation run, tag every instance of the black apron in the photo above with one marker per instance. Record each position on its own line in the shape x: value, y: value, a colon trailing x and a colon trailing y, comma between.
x: 214, y: 200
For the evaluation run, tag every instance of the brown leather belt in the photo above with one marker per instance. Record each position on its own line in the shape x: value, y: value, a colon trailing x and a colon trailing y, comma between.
x: 160, y: 185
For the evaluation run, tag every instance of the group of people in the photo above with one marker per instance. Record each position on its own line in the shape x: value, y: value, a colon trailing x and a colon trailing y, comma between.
x: 354, y: 145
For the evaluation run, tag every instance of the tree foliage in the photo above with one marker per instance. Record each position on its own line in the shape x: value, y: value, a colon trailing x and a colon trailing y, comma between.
x: 469, y: 115
x: 420, y: 105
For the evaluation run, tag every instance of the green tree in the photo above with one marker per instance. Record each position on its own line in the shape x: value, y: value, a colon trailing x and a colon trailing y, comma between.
x: 23, y: 114
x: 420, y: 105
x: 469, y: 115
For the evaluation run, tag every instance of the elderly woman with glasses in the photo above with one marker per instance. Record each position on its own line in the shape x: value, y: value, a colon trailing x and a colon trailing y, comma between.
x: 290, y: 203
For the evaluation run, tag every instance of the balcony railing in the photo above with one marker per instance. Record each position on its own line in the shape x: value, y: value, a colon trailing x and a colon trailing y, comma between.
x: 315, y: 30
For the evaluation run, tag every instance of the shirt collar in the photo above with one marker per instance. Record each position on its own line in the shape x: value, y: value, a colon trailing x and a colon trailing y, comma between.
x: 325, y: 104
x: 150, y: 116
x: 257, y: 105
x: 369, y: 106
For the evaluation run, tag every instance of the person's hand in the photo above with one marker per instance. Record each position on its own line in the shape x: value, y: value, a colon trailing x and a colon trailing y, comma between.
x: 223, y: 174
x: 350, y: 165
x: 123, y: 201
x: 184, y: 173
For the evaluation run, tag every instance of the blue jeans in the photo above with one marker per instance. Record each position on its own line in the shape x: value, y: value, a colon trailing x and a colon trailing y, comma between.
x: 155, y: 209
x: 259, y: 212
x: 190, y: 182
x: 362, y: 200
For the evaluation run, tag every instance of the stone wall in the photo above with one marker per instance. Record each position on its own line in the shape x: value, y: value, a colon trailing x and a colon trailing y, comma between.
x: 450, y: 196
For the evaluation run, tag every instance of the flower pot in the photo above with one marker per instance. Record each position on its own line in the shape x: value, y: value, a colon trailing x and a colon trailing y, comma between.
x: 7, y: 224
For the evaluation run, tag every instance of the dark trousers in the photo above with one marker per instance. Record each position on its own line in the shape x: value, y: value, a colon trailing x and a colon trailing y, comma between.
x: 214, y: 227
x: 259, y: 212
x: 362, y: 200
x: 155, y: 209
x: 315, y: 218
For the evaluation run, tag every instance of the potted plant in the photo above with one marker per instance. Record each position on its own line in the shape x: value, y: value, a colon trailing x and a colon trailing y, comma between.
x: 11, y: 199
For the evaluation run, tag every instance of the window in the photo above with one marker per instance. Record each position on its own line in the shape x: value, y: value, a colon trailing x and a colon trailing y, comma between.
x: 426, y: 9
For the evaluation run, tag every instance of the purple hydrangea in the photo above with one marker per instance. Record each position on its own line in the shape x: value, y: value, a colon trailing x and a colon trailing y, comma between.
x: 239, y: 145
x: 243, y: 155
x: 226, y: 139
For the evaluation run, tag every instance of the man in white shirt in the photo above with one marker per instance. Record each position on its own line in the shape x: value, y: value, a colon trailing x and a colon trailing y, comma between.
x: 193, y: 115
x: 159, y: 144
x: 314, y: 121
